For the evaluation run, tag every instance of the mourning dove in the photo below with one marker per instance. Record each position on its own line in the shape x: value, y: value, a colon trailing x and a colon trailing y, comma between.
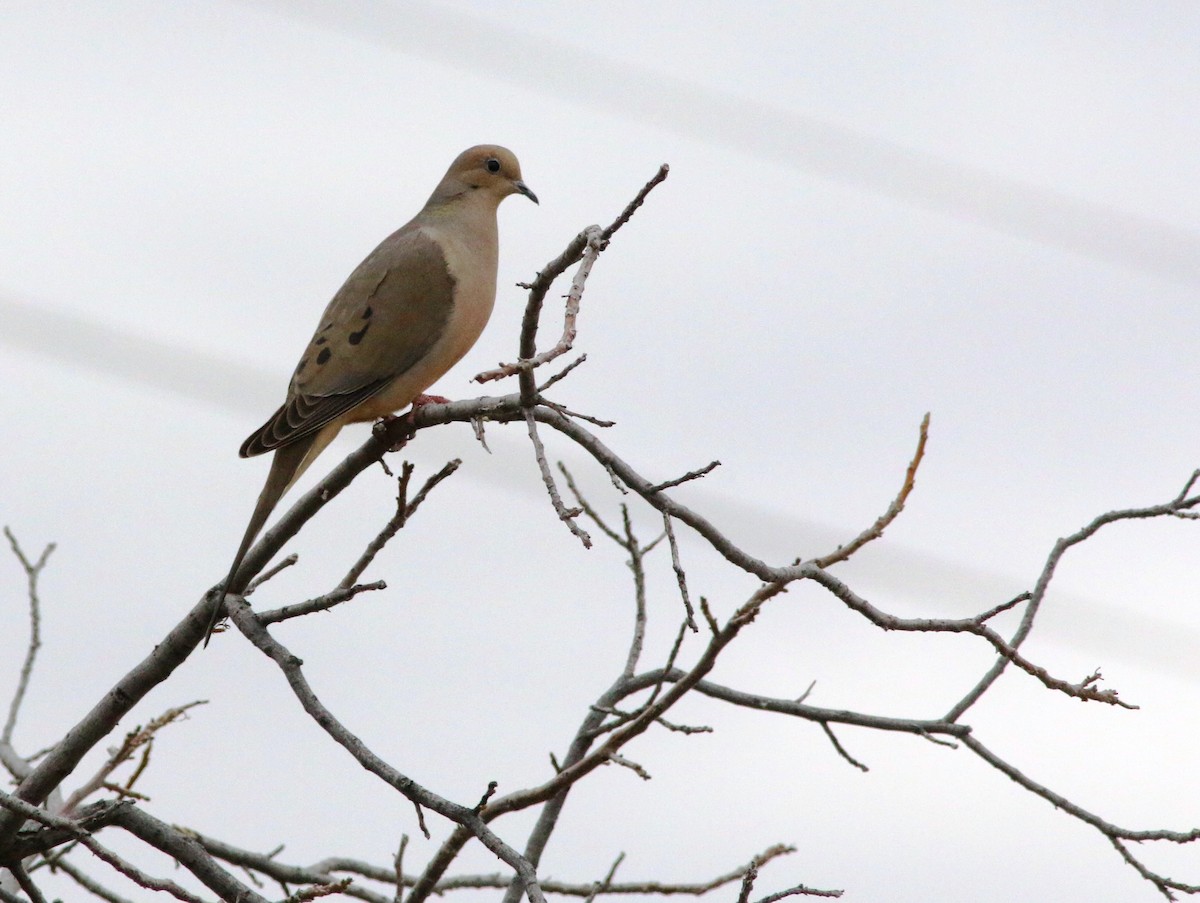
x: 407, y: 314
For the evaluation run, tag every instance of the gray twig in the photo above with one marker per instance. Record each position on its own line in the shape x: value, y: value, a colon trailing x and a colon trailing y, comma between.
x: 33, y: 570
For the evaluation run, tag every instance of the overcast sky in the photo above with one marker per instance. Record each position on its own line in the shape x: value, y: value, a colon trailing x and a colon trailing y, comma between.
x: 984, y: 211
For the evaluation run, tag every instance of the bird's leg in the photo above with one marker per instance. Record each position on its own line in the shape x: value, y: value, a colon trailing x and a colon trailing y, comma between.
x: 384, y: 425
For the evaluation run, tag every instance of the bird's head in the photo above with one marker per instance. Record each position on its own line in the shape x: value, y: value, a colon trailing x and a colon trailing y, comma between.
x: 486, y: 168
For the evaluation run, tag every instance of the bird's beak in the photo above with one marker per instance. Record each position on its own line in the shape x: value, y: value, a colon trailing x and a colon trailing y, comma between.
x: 524, y: 189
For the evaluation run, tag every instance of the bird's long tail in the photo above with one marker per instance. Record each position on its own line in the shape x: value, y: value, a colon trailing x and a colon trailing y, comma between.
x: 288, y: 464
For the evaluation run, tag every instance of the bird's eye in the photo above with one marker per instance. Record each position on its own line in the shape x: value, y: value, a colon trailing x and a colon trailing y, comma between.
x: 493, y: 165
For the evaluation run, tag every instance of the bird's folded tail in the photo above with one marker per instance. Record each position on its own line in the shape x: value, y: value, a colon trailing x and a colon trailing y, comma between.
x: 288, y: 464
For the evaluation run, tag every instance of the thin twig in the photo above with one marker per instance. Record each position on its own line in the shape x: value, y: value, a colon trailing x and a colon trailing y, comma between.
x: 798, y: 890
x: 561, y: 374
x: 602, y: 886
x: 291, y: 666
x: 748, y: 880
x: 640, y: 613
x: 320, y: 603
x: 587, y: 245
x: 398, y: 897
x: 567, y: 516
x: 31, y: 890
x: 319, y: 890
x: 1003, y: 607
x: 323, y: 871
x: 583, y: 503
x: 88, y: 883
x: 638, y: 200
x: 687, y: 477
x: 138, y: 738
x: 33, y: 570
x: 592, y: 246
x: 270, y: 572
x: 631, y: 765
x: 404, y: 510
x: 680, y: 577
x: 841, y: 750
x: 567, y: 412
x: 893, y: 510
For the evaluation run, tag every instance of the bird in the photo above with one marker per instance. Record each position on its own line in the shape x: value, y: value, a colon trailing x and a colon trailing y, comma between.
x: 404, y: 316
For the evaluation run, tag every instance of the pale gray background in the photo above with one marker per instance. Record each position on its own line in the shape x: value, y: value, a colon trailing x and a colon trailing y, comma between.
x: 987, y: 211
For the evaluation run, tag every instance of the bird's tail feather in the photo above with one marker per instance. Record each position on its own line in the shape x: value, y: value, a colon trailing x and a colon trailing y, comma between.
x: 287, y: 466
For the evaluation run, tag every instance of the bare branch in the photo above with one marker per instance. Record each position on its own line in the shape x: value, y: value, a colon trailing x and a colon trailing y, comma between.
x: 175, y: 647
x: 33, y: 570
x: 893, y: 511
x: 798, y: 890
x: 841, y: 750
x: 587, y: 245
x: 680, y: 577
x: 638, y: 200
x: 589, y: 510
x: 709, y: 618
x: 487, y: 795
x: 138, y: 738
x: 567, y: 516
x: 1164, y: 885
x: 1061, y: 802
x: 283, y: 564
x: 811, y: 569
x: 17, y: 870
x: 319, y: 890
x: 1187, y: 487
x: 404, y: 510
x: 607, y: 728
x: 592, y: 246
x: 1003, y: 607
x: 88, y: 883
x: 799, y: 709
x: 1181, y: 502
x: 631, y: 765
x: 567, y: 412
x: 748, y: 883
x: 561, y: 374
x: 6, y: 897
x: 602, y: 886
x: 399, y: 863
x: 323, y: 872
x: 1115, y: 834
x: 1084, y: 690
x: 320, y: 603
x: 137, y: 876
x: 290, y: 665
x: 571, y: 773
x: 687, y: 477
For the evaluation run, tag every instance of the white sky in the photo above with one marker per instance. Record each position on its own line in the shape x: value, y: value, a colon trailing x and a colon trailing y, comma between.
x: 986, y: 211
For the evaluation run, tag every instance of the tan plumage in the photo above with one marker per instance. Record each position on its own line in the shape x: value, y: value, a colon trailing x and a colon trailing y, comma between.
x: 405, y: 316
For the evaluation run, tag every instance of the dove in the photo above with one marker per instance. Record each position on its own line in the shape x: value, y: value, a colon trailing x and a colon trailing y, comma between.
x: 406, y: 315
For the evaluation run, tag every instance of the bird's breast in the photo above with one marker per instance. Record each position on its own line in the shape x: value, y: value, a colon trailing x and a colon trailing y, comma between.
x: 471, y: 258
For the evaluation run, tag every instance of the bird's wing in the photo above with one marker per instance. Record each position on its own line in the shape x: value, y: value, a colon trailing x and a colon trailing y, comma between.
x: 385, y: 319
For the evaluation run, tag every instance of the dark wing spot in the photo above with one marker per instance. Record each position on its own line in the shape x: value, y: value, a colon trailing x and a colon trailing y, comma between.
x: 367, y: 313
x: 356, y: 337
x: 324, y: 356
x: 321, y: 341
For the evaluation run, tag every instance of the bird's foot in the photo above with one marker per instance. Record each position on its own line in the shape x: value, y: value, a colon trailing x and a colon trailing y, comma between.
x: 422, y: 400
x: 385, y: 428
x: 387, y: 424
